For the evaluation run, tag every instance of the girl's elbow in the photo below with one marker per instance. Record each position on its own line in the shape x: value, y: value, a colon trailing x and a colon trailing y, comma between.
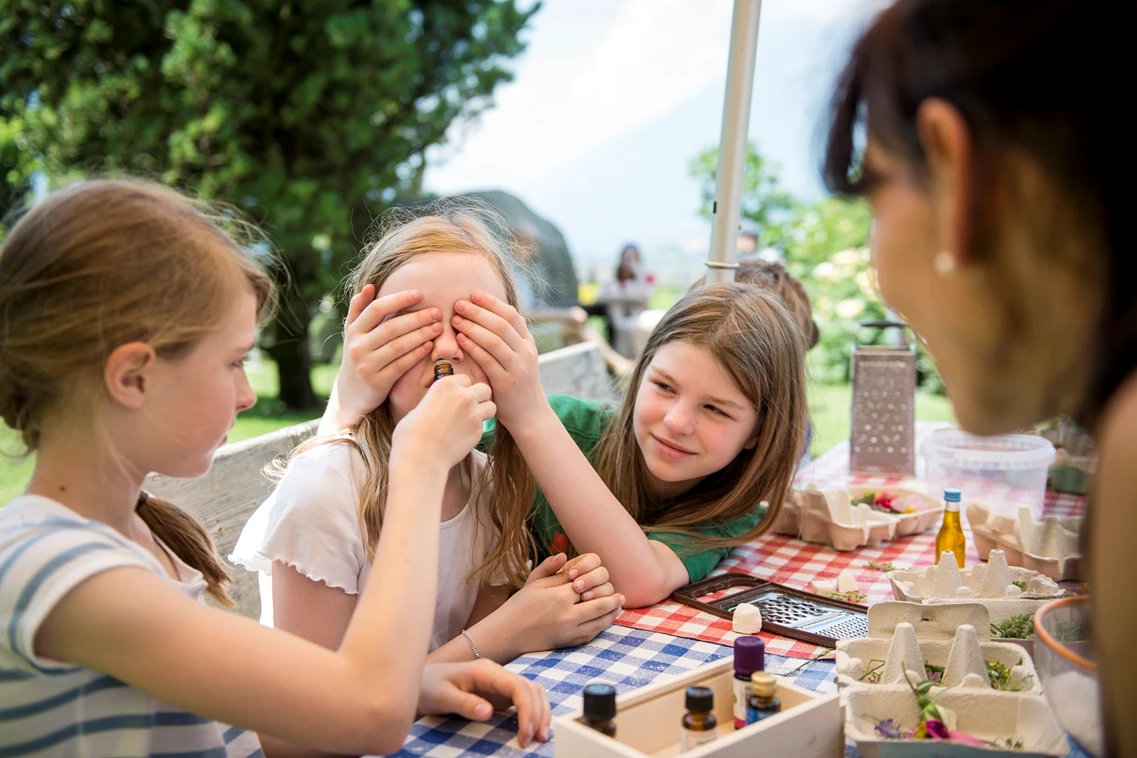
x: 644, y: 593
x: 382, y: 726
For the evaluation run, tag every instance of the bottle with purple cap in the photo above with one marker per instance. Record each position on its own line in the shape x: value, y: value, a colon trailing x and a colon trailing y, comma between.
x: 749, y: 656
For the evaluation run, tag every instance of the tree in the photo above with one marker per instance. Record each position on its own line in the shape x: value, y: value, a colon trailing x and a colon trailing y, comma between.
x: 15, y: 169
x: 308, y: 115
x: 763, y: 200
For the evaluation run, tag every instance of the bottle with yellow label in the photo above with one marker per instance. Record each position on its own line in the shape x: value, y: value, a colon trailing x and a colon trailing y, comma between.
x: 950, y: 538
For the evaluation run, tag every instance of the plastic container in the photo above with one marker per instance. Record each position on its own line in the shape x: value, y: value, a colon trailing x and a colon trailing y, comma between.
x: 1001, y: 471
x: 1067, y: 666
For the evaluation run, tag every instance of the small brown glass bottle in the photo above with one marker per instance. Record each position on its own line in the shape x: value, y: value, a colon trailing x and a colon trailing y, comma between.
x: 600, y: 708
x: 763, y: 700
x: 443, y: 368
x: 699, y: 723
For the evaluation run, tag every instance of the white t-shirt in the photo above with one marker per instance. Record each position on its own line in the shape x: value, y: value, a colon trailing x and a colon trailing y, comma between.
x: 48, y: 708
x: 311, y: 522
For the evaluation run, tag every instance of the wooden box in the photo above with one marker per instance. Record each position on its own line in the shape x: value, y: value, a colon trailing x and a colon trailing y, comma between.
x: 647, y: 723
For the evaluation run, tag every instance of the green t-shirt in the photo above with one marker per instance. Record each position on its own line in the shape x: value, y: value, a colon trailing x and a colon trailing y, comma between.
x: 586, y: 421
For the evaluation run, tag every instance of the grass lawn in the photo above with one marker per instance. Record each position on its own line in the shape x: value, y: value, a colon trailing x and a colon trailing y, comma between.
x: 828, y: 408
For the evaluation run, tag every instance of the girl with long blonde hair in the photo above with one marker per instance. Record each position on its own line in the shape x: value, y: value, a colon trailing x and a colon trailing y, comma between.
x: 662, y: 486
x: 126, y: 313
x: 313, y: 539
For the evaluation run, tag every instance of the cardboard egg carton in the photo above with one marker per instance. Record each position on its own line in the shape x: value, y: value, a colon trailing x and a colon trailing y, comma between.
x: 831, y: 518
x: 904, y: 637
x: 986, y: 715
x: 991, y: 584
x: 1050, y: 547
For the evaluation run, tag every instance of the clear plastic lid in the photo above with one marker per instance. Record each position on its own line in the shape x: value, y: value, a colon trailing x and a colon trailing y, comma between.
x: 1003, y: 452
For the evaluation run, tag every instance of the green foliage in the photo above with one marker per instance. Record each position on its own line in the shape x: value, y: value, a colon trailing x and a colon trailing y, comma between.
x: 763, y: 200
x: 826, y: 245
x: 307, y: 116
x: 15, y: 166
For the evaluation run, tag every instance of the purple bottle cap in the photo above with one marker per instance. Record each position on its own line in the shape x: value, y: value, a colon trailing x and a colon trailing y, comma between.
x: 749, y: 655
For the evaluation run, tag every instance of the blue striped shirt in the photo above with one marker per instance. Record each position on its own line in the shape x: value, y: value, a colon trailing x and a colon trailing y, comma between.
x: 49, y: 708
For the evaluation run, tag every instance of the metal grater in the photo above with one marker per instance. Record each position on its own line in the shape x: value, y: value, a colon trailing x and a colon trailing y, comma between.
x: 785, y: 610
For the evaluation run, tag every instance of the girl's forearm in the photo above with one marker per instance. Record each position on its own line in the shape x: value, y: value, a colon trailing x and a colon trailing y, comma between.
x: 390, y: 630
x: 592, y: 517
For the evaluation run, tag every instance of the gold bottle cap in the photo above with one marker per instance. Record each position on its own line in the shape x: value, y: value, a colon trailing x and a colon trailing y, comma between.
x: 764, y: 683
x: 443, y: 368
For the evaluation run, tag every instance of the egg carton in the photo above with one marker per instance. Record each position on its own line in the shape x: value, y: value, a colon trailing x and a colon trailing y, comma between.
x: 994, y: 717
x: 831, y: 518
x: 906, y: 637
x: 1050, y: 547
x: 992, y: 584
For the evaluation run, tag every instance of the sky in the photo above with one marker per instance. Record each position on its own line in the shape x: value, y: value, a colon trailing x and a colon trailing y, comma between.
x: 613, y: 98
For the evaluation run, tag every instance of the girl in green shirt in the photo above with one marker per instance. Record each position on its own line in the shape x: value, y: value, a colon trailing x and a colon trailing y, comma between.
x: 662, y: 486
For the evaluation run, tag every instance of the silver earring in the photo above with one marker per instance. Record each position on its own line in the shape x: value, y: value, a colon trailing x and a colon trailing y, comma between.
x: 944, y: 263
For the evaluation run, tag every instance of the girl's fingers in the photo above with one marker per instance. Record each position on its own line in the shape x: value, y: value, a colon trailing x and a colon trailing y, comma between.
x: 374, y: 314
x: 582, y: 564
x: 603, y: 590
x: 547, y: 567
x: 401, y: 365
x: 546, y: 712
x: 494, y: 345
x: 589, y: 610
x: 360, y: 301
x: 373, y: 350
x: 597, y: 625
x: 502, y: 309
x: 427, y: 321
x: 502, y: 327
x: 594, y: 578
x: 486, y: 411
x: 486, y: 362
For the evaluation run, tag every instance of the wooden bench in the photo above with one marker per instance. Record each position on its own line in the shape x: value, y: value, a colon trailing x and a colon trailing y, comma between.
x: 224, y: 498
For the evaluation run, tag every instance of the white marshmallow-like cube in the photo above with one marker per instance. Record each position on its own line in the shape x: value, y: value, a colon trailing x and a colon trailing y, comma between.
x: 747, y: 619
x: 846, y: 582
x: 823, y: 586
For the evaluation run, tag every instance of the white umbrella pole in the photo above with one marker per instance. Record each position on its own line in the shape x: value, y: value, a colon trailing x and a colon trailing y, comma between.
x: 732, y: 142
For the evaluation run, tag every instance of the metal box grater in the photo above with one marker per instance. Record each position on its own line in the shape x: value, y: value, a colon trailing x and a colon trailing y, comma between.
x: 785, y: 611
x: 882, y: 435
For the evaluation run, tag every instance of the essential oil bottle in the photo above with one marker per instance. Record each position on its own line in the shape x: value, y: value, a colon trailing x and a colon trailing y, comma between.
x: 600, y: 707
x: 443, y: 368
x: 749, y: 656
x: 763, y: 700
x: 950, y: 538
x: 699, y: 723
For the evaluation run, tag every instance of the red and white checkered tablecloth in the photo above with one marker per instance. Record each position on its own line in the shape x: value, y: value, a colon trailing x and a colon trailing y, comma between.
x: 795, y: 563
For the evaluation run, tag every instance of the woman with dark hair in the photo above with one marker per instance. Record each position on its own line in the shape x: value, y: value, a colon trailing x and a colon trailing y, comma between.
x: 999, y: 178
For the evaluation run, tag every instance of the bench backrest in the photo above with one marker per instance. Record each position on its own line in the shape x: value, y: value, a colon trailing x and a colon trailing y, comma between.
x: 224, y: 498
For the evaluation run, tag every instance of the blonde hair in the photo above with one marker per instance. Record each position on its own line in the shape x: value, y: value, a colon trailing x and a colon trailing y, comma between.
x: 774, y: 276
x: 445, y: 228
x: 754, y: 338
x: 99, y: 265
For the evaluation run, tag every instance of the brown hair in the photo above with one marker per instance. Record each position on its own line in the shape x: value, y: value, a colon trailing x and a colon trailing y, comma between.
x: 447, y: 227
x: 773, y: 276
x: 1017, y: 71
x: 99, y: 265
x: 752, y: 335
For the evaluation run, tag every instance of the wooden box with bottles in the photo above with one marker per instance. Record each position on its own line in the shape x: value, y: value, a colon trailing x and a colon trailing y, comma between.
x: 648, y: 723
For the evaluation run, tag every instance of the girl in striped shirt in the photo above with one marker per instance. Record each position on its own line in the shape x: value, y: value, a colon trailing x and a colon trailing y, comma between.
x: 125, y: 316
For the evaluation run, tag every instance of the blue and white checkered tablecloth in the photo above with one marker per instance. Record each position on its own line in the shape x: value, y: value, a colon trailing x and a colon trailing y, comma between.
x: 628, y: 658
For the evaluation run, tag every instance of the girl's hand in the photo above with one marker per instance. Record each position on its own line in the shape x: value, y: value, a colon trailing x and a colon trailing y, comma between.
x: 494, y: 335
x: 589, y: 578
x: 548, y: 612
x: 475, y: 690
x: 378, y: 348
x: 447, y: 422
